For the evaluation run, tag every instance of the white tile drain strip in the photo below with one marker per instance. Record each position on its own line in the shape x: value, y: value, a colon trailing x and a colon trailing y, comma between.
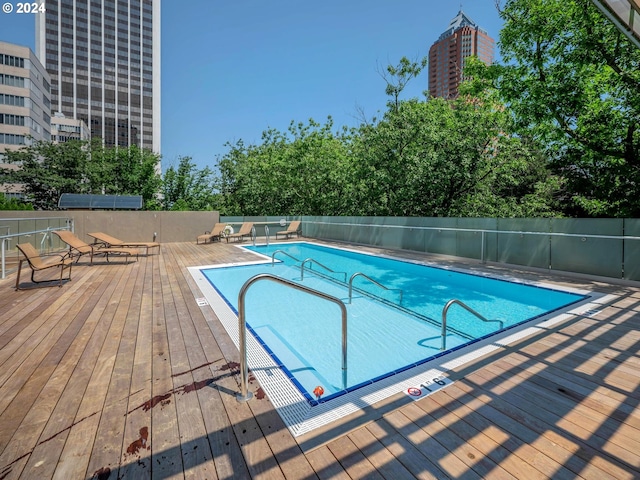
x: 301, y: 418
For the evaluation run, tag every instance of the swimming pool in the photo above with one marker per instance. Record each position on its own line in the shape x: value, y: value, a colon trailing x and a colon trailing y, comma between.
x: 391, y: 329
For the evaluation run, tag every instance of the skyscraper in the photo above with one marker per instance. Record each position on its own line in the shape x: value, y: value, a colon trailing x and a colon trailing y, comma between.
x: 103, y: 57
x: 462, y: 39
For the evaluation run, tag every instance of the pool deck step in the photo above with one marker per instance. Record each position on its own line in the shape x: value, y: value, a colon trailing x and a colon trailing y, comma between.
x: 121, y: 374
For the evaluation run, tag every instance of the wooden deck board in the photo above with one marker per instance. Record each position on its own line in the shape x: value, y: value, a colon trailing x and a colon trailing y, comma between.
x: 121, y: 374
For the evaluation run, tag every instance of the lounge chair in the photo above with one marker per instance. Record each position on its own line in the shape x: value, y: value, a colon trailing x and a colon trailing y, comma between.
x: 108, y: 241
x: 213, y: 235
x: 38, y: 263
x: 78, y: 248
x: 293, y: 228
x: 245, y: 231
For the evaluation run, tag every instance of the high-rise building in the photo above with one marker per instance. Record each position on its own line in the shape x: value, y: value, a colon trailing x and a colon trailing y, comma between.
x: 24, y: 105
x: 104, y: 60
x: 463, y: 38
x: 25, y: 100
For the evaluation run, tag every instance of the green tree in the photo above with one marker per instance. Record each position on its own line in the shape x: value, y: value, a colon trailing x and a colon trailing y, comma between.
x: 398, y: 76
x: 448, y: 158
x: 305, y: 170
x: 572, y: 81
x: 13, y: 204
x: 187, y: 188
x: 48, y: 170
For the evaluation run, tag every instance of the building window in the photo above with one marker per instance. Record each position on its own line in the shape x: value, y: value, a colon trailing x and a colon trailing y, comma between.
x: 12, y: 61
x: 11, y: 80
x: 9, y: 119
x: 13, y: 100
x: 11, y: 139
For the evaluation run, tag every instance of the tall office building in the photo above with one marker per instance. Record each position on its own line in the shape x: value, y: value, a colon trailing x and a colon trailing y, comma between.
x: 24, y: 104
x: 24, y: 98
x: 104, y: 60
x: 462, y: 39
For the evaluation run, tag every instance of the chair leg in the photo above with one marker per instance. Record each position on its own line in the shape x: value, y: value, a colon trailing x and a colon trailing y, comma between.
x: 18, y: 275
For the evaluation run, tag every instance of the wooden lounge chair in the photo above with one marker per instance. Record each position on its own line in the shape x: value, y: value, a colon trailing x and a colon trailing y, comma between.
x: 109, y: 242
x: 38, y: 263
x: 293, y: 228
x: 78, y: 248
x: 245, y: 230
x: 213, y: 235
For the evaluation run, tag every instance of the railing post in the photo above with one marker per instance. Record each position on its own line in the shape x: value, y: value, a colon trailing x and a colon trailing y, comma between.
x: 244, y: 395
x: 4, y: 272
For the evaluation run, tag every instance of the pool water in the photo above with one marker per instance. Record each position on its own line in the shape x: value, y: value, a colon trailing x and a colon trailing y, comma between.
x: 388, y: 331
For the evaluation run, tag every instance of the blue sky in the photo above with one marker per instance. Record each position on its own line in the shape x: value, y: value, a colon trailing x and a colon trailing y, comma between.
x: 232, y: 69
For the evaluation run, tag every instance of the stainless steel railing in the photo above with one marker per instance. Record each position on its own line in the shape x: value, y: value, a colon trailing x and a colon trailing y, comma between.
x: 312, y: 261
x: 360, y: 274
x: 273, y: 256
x: 245, y: 394
x: 468, y: 309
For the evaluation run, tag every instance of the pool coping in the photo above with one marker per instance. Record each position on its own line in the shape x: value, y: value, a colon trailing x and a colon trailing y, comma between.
x: 307, y: 423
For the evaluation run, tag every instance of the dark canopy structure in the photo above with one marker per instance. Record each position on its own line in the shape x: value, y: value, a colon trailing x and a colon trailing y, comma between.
x: 77, y: 201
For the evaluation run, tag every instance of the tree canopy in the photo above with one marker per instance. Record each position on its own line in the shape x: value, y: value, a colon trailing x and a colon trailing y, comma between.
x: 572, y: 81
x: 550, y: 131
x: 48, y: 170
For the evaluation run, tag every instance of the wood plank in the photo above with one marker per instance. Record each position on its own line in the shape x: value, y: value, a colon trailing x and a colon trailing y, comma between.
x: 164, y: 434
x: 196, y: 452
x: 326, y: 465
x: 524, y: 429
x: 77, y: 450
x: 352, y: 460
x: 255, y: 449
x: 562, y: 410
x: 479, y: 451
x: 112, y: 379
x: 227, y: 455
x: 404, y: 451
x: 430, y: 446
x: 29, y: 433
x: 29, y: 378
x: 379, y: 456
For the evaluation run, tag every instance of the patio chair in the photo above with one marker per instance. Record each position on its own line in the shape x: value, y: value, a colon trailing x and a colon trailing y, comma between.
x: 78, y: 248
x: 108, y: 241
x: 293, y: 228
x: 245, y: 230
x: 213, y: 235
x: 38, y: 263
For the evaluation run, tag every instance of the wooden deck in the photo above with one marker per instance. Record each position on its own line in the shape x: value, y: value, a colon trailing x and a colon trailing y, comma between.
x: 120, y: 374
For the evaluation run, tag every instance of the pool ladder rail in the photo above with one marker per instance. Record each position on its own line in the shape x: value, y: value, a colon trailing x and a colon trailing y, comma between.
x: 244, y: 394
x: 360, y: 274
x: 311, y: 261
x: 445, y: 310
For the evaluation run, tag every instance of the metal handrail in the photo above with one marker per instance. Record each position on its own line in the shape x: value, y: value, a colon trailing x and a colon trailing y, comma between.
x: 273, y: 256
x: 253, y: 235
x: 312, y: 261
x: 244, y: 394
x: 266, y: 233
x: 467, y: 308
x: 360, y: 274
